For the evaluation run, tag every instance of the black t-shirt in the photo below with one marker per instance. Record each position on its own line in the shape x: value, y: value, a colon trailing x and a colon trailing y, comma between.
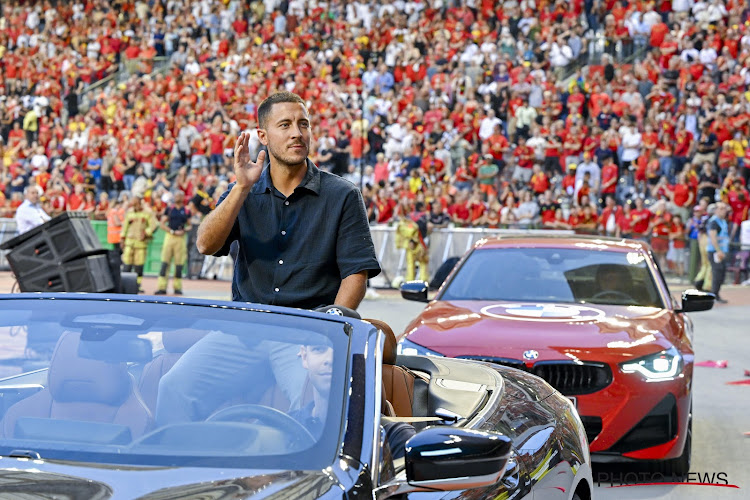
x: 708, y: 144
x: 671, y: 75
x: 604, y: 120
x: 545, y: 207
x: 203, y: 205
x: 708, y: 191
x: 439, y: 219
x: 130, y: 166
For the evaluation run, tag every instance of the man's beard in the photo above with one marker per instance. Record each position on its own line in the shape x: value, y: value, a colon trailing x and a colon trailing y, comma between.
x: 283, y: 155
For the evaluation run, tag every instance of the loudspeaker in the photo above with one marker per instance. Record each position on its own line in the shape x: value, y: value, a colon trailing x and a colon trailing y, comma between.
x: 87, y: 274
x: 66, y: 237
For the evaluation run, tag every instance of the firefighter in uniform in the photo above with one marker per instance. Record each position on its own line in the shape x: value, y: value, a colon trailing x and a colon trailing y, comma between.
x: 175, y: 223
x: 409, y: 237
x: 137, y: 229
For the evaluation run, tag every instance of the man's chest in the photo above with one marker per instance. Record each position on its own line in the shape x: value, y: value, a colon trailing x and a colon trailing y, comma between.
x: 305, y: 226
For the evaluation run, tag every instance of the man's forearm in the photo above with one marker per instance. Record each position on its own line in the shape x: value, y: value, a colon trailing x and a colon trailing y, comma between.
x: 216, y: 226
x: 352, y: 290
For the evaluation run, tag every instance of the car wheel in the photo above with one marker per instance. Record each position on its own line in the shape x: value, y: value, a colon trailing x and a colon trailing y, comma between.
x: 129, y: 283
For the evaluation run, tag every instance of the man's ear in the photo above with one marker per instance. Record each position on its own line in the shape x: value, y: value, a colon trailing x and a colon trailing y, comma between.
x: 262, y: 136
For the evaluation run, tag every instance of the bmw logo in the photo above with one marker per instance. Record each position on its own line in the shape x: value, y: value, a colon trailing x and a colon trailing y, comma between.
x: 335, y: 311
x: 531, y: 354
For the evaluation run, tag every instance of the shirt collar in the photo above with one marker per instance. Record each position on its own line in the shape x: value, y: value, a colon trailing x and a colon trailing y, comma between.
x: 310, y: 182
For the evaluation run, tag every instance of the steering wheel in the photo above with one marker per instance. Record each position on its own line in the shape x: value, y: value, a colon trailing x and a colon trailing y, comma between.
x: 268, y: 415
x: 613, y: 294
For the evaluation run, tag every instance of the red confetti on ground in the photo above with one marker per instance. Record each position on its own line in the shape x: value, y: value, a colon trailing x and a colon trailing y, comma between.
x: 739, y: 382
x: 722, y: 363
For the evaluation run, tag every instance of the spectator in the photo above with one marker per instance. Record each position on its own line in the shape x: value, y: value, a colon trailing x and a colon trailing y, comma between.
x: 30, y: 214
x: 718, y: 247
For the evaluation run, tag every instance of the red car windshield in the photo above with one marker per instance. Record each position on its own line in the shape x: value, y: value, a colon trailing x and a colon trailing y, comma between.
x: 555, y: 275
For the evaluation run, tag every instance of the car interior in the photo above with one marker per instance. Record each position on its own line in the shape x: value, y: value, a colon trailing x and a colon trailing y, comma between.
x: 88, y: 397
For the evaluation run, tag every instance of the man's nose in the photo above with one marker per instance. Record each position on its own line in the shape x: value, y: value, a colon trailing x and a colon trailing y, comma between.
x: 296, y: 130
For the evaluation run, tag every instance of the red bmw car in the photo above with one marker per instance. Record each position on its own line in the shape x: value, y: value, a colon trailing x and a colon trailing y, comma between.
x: 591, y: 316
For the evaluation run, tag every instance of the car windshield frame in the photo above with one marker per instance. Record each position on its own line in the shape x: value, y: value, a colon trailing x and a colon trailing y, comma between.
x: 126, y: 325
x: 538, y: 286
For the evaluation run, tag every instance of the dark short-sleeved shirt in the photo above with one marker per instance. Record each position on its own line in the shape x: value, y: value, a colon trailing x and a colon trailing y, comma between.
x: 177, y: 218
x: 295, y: 251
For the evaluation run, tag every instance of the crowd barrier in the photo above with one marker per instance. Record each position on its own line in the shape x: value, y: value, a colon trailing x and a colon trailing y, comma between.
x: 443, y: 244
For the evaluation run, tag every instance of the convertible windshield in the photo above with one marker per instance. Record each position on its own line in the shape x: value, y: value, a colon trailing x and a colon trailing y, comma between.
x: 170, y: 385
x: 570, y: 275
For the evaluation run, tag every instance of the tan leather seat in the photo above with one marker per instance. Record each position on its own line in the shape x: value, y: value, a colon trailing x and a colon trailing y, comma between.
x: 398, y: 382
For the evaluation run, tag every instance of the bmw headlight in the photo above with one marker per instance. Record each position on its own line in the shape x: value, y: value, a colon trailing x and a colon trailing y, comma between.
x: 409, y: 348
x: 663, y: 365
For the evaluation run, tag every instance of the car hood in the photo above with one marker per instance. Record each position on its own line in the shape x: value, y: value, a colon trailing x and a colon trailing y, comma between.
x: 556, y: 331
x: 48, y: 480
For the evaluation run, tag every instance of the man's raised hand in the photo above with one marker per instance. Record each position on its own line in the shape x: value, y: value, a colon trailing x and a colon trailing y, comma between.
x: 246, y: 171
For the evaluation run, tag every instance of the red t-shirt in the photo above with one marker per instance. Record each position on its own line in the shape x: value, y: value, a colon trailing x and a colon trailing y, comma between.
x: 609, y: 172
x: 681, y: 194
x: 539, y: 182
x: 525, y: 156
x: 217, y: 143
x: 75, y: 201
x: 640, y: 226
x: 658, y: 32
x: 677, y: 233
x: 460, y: 210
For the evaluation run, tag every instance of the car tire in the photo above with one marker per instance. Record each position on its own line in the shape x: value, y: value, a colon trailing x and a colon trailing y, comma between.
x: 129, y: 283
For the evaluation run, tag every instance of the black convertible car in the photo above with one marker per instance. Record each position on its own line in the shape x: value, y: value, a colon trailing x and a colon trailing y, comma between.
x: 107, y: 396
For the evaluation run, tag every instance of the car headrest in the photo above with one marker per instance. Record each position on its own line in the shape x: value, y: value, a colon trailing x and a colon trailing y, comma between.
x: 335, y: 310
x: 179, y: 341
x: 389, y: 351
x: 76, y: 379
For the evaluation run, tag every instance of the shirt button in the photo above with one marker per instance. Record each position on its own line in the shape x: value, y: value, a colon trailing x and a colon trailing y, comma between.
x: 281, y: 261
x: 286, y: 203
x: 275, y: 289
x: 283, y: 233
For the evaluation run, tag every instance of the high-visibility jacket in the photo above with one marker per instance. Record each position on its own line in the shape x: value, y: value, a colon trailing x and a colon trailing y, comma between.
x: 115, y: 217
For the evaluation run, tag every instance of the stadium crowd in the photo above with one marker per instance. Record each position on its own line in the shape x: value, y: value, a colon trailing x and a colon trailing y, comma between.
x: 448, y: 112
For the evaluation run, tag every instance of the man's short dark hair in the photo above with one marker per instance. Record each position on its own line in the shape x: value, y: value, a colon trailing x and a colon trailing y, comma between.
x: 264, y: 110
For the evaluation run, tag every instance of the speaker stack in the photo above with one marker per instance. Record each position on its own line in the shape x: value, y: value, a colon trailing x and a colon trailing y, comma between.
x: 63, y: 255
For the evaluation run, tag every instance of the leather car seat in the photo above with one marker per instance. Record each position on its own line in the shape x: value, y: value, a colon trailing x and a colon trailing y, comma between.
x: 176, y: 343
x: 398, y: 382
x: 83, y: 389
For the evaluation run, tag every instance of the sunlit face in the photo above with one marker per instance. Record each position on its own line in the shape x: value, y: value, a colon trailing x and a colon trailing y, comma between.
x: 33, y: 196
x: 318, y: 361
x: 287, y: 134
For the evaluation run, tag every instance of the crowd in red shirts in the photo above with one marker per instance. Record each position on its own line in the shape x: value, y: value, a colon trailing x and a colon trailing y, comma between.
x: 456, y: 111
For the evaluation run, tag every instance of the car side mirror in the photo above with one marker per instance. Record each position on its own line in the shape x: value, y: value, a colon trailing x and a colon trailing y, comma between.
x: 695, y: 300
x: 447, y: 458
x: 415, y: 290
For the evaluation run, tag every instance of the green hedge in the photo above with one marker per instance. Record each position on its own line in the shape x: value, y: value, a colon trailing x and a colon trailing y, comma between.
x: 153, y: 253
